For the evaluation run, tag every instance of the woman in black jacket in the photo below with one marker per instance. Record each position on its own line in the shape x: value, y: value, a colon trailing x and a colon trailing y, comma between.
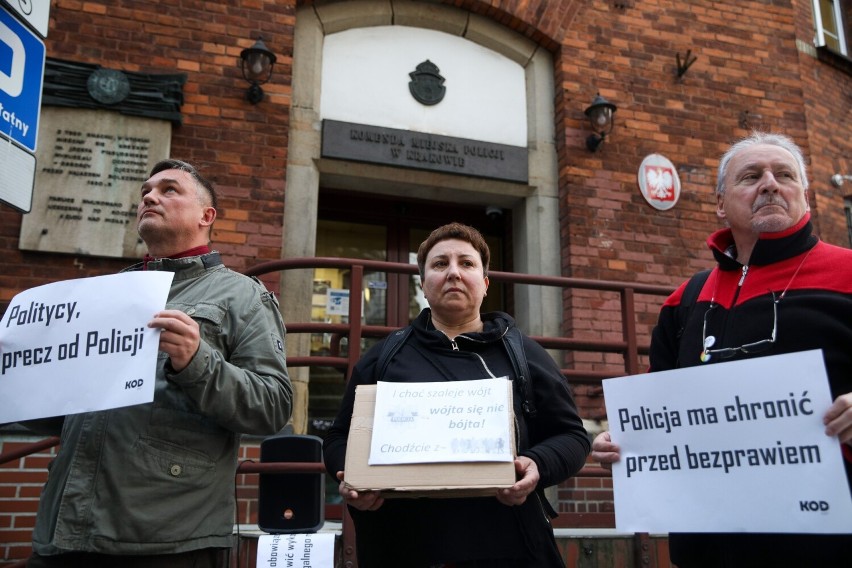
x: 452, y: 341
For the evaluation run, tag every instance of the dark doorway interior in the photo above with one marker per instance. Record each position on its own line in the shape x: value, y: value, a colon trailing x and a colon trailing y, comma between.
x: 379, y: 227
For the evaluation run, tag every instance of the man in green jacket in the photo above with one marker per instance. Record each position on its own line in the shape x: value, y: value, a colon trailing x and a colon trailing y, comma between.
x: 153, y: 484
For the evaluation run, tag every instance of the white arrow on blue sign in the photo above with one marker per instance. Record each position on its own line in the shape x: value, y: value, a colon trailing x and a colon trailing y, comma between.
x: 21, y: 75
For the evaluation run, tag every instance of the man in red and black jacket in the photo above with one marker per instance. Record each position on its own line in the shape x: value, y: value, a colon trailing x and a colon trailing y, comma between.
x: 776, y: 289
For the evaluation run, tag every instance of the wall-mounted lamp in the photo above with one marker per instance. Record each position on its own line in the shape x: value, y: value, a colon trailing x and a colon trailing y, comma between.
x: 256, y: 63
x: 600, y: 115
x: 838, y: 179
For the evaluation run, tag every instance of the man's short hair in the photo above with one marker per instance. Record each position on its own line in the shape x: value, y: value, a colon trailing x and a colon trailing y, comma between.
x: 454, y: 231
x: 754, y: 139
x: 171, y: 164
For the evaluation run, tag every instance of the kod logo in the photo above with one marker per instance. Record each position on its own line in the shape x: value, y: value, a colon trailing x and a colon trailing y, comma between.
x: 134, y: 384
x: 813, y: 506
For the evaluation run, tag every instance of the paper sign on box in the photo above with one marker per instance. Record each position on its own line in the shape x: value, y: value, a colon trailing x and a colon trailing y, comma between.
x: 416, y: 480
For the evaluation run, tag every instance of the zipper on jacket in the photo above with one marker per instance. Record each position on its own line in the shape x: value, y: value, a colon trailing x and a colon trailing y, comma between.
x: 745, y: 271
x: 455, y: 347
x: 452, y: 341
x: 728, y: 318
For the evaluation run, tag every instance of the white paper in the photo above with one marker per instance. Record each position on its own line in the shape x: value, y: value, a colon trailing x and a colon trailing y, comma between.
x: 314, y: 550
x: 337, y: 302
x: 80, y: 345
x: 457, y: 421
x: 698, y: 446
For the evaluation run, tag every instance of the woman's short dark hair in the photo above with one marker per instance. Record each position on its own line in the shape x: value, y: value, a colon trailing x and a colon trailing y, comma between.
x: 454, y: 231
x: 171, y: 164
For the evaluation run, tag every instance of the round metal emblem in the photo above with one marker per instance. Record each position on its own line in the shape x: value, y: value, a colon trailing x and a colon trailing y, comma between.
x: 659, y: 182
x: 108, y: 86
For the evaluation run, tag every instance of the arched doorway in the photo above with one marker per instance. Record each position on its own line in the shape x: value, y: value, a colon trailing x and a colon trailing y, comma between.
x: 531, y: 231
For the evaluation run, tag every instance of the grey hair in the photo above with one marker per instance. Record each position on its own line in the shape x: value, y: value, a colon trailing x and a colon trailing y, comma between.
x: 754, y: 139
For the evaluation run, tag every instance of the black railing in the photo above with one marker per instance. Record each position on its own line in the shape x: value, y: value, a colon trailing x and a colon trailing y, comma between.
x: 627, y: 345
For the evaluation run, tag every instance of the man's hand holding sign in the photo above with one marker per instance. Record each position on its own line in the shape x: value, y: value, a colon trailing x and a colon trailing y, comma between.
x: 838, y: 419
x: 179, y: 338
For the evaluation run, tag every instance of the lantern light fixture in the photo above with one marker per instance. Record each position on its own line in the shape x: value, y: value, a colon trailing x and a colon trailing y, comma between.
x: 256, y: 63
x: 600, y: 114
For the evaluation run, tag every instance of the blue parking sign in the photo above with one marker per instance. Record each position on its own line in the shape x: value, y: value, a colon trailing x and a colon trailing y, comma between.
x: 21, y: 74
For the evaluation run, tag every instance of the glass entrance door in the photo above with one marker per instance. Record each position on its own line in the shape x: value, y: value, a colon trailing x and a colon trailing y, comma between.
x: 358, y: 225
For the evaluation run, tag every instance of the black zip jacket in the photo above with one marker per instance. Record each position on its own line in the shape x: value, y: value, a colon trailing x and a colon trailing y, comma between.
x: 427, y: 531
x: 815, y: 313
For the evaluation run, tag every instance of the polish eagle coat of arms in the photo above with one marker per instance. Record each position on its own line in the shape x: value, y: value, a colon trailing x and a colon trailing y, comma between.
x: 659, y: 182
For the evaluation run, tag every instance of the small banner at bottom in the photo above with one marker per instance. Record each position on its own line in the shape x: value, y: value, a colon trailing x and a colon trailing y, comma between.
x: 315, y: 550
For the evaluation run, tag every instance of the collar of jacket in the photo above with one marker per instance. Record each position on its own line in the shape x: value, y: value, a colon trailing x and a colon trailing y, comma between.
x: 495, y: 325
x: 187, y: 267
x: 770, y: 247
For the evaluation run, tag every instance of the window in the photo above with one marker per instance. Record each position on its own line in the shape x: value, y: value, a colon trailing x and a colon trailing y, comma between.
x: 830, y: 19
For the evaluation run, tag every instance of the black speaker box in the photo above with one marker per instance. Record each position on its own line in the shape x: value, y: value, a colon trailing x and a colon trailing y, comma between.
x: 291, y: 502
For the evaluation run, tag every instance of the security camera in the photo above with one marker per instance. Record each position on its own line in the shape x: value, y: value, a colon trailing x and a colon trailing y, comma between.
x: 493, y: 212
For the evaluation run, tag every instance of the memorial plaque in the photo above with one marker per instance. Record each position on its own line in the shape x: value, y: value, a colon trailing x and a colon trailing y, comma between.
x: 90, y: 167
x: 423, y: 151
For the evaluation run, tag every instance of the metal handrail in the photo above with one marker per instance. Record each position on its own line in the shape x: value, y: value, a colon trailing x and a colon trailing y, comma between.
x: 28, y: 449
x: 280, y: 467
x: 628, y: 346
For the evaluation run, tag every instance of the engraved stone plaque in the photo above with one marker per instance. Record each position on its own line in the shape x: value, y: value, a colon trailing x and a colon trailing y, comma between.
x: 90, y: 166
x: 422, y: 151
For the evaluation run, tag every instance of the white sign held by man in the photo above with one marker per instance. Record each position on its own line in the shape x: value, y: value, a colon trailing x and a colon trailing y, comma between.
x: 729, y: 447
x: 80, y: 345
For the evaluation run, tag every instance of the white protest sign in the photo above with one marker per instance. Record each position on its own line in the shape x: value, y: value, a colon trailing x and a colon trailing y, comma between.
x: 458, y: 421
x: 315, y: 550
x: 729, y: 447
x: 80, y: 345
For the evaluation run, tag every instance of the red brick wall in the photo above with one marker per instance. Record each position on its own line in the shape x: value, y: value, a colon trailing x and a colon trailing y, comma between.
x: 828, y: 100
x: 628, y: 54
x: 748, y: 73
x: 585, y: 502
x: 20, y: 487
x: 241, y: 147
x: 624, y: 50
x: 246, y: 486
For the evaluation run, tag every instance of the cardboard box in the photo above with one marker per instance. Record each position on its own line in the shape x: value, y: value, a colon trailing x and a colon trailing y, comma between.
x: 459, y: 479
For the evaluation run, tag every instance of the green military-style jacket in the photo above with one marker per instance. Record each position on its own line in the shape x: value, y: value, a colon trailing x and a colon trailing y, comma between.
x: 158, y: 478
